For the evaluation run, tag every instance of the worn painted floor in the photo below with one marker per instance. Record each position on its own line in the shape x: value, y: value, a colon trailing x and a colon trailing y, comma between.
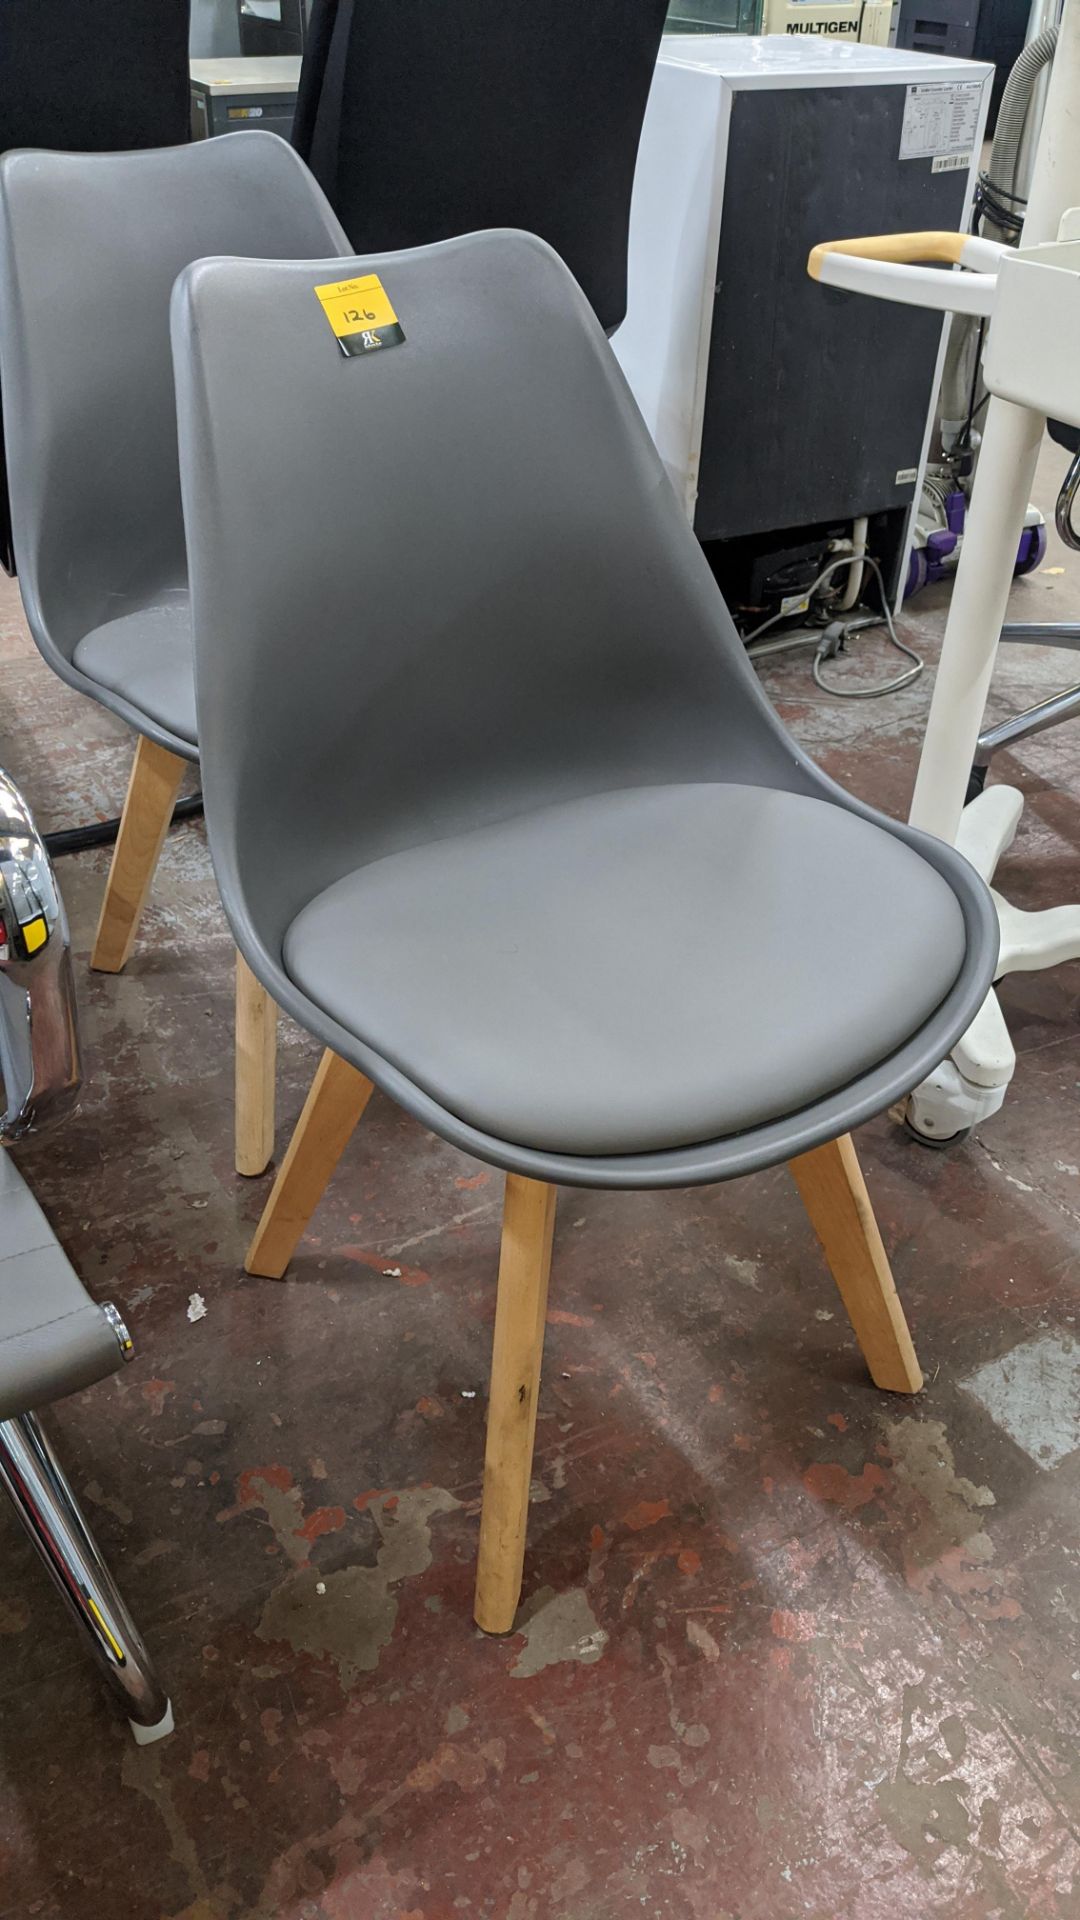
x: 789, y: 1647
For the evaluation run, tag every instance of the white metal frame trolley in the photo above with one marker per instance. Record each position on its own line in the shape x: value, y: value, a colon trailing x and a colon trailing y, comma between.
x: 1030, y: 297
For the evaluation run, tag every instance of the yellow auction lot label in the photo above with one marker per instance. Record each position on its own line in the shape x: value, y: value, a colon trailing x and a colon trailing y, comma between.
x: 360, y: 315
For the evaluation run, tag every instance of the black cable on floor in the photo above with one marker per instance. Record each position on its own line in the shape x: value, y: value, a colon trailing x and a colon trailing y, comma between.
x: 102, y: 833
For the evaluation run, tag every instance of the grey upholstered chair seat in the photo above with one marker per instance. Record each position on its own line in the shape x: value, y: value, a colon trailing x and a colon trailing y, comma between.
x: 636, y: 970
x: 143, y: 655
x: 53, y: 1338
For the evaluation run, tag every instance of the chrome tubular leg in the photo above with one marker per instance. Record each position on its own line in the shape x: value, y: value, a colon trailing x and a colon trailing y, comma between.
x: 1066, y: 500
x: 51, y: 1515
x: 1043, y: 633
x: 1024, y: 726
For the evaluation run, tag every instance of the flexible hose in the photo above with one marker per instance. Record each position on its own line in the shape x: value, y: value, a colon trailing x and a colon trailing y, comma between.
x: 850, y: 594
x: 1012, y: 117
x: 801, y: 640
x: 102, y: 833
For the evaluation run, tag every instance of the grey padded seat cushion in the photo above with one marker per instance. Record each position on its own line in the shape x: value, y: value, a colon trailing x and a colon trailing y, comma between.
x: 637, y: 970
x: 53, y: 1339
x: 144, y: 654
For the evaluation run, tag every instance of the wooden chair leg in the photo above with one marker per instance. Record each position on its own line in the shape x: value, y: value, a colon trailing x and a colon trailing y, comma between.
x: 834, y: 1194
x: 520, y: 1311
x: 151, y: 796
x: 339, y: 1093
x: 256, y: 1065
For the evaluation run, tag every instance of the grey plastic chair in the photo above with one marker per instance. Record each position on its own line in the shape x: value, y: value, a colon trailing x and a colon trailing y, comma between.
x: 111, y: 75
x: 90, y: 245
x: 497, y: 808
x: 54, y: 1339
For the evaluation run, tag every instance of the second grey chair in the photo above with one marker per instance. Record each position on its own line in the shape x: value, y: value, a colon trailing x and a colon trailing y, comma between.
x: 497, y: 808
x: 90, y: 245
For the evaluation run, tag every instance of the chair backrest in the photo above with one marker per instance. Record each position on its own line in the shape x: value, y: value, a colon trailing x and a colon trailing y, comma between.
x: 88, y: 79
x: 489, y: 597
x: 423, y: 120
x: 90, y: 245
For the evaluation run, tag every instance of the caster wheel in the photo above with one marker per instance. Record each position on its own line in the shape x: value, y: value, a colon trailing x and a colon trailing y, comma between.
x: 1031, y: 552
x: 976, y: 783
x: 933, y: 1143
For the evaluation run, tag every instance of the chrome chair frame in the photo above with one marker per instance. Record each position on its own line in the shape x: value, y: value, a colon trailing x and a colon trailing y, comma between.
x: 66, y: 1342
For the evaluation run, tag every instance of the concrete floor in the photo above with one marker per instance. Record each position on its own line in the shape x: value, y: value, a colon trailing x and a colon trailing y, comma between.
x: 790, y: 1647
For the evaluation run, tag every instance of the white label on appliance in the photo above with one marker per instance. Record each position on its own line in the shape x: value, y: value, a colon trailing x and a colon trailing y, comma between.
x: 940, y: 119
x: 906, y: 476
x: 950, y: 163
x: 794, y: 603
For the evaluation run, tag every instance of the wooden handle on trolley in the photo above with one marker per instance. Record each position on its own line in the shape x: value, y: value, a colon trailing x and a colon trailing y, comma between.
x: 901, y: 249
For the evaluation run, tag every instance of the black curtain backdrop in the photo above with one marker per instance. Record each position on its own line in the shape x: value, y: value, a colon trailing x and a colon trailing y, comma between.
x: 427, y: 118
